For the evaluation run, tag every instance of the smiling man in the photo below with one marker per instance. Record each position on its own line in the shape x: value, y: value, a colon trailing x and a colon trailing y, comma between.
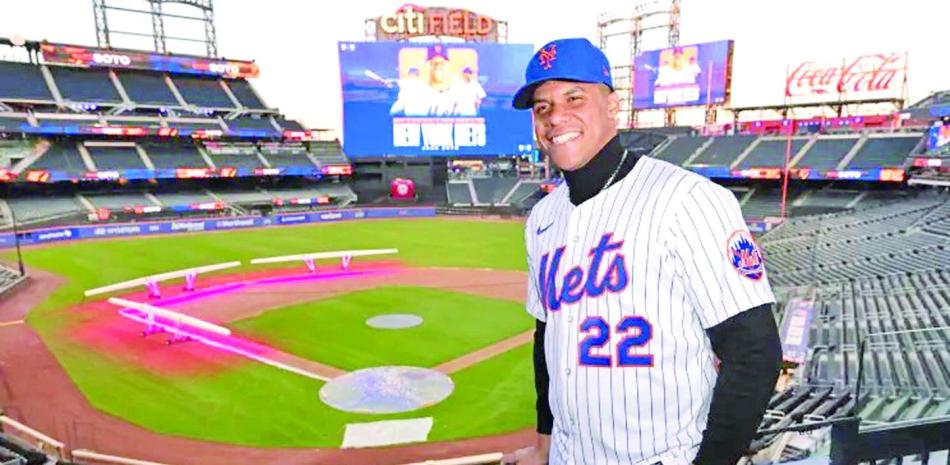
x: 641, y: 276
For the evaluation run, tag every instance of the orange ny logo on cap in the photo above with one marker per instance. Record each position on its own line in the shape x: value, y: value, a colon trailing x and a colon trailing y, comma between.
x: 547, y: 56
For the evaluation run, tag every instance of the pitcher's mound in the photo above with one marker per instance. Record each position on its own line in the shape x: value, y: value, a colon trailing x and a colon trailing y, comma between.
x: 391, y: 389
x: 394, y: 321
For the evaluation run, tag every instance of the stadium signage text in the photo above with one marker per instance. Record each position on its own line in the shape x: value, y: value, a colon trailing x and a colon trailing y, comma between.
x: 439, y: 133
x: 866, y: 74
x: 415, y: 21
x: 110, y: 59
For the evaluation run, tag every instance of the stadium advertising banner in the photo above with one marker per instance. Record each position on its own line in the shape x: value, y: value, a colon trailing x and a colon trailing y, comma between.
x: 88, y: 57
x: 866, y: 77
x: 804, y: 174
x: 41, y: 236
x: 683, y: 76
x: 417, y: 99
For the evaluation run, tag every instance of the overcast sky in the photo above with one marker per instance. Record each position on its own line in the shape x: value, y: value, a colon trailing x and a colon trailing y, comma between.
x: 294, y: 42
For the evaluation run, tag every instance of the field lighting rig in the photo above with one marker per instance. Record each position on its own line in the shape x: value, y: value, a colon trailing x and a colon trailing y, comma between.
x: 110, y: 14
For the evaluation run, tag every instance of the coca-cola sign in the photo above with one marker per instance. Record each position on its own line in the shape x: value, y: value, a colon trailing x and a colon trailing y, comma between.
x: 866, y: 76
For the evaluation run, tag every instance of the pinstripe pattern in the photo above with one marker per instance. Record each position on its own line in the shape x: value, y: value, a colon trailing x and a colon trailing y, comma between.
x: 674, y: 227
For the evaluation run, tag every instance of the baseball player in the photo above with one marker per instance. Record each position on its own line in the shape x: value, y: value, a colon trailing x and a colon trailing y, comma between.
x: 413, y: 97
x: 470, y: 94
x: 642, y: 276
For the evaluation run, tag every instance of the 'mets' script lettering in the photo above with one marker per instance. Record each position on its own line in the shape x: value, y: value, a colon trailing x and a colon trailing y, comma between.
x: 578, y: 282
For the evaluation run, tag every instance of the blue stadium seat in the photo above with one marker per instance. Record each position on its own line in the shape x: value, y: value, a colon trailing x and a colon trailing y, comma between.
x: 173, y: 155
x: 261, y: 124
x: 771, y: 153
x: 61, y: 156
x: 11, y: 124
x: 146, y: 88
x: 882, y: 152
x: 22, y: 81
x: 289, y: 125
x: 119, y: 201
x: 115, y: 158
x: 203, y: 92
x: 237, y: 161
x: 680, y: 148
x: 207, y: 124
x: 245, y: 94
x: 723, y: 151
x: 825, y: 154
x: 85, y: 85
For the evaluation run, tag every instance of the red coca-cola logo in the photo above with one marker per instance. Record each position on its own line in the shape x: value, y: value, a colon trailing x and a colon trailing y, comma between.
x: 864, y: 74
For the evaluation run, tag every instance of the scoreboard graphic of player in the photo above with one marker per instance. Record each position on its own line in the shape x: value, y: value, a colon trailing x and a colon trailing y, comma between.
x: 404, y: 98
x: 682, y: 76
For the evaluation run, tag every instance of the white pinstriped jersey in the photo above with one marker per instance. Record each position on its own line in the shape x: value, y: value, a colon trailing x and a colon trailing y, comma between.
x: 626, y: 283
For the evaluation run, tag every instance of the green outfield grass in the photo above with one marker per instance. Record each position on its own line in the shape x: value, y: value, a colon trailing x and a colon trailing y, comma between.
x: 334, y: 330
x: 253, y: 404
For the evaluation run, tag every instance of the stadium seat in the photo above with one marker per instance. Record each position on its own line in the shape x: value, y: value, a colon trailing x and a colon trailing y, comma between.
x: 115, y: 158
x: 202, y: 92
x: 22, y: 81
x: 825, y: 154
x: 771, y: 153
x: 173, y: 155
x: 61, y: 156
x: 680, y: 149
x: 723, y: 151
x: 146, y: 88
x: 245, y: 94
x: 878, y: 152
x: 85, y: 85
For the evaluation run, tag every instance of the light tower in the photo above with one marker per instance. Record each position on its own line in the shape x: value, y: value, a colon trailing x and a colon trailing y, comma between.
x: 650, y: 24
x: 119, y: 21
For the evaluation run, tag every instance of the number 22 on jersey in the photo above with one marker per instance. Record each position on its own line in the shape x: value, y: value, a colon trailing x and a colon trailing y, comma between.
x: 636, y: 331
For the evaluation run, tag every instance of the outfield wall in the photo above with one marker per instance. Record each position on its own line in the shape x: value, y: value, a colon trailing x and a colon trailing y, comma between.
x: 71, y: 233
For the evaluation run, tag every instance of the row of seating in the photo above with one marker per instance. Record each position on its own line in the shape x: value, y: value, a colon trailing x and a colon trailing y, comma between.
x: 904, y: 321
x: 822, y: 153
x: 258, y: 125
x: 909, y: 314
x: 491, y: 191
x: 877, y: 256
x: 9, y: 279
x: 65, y: 156
x: 34, y: 209
x: 879, y: 276
x: 896, y: 214
x: 25, y: 82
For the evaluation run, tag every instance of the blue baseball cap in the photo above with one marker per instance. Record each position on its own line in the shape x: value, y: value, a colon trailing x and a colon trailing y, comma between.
x: 574, y: 59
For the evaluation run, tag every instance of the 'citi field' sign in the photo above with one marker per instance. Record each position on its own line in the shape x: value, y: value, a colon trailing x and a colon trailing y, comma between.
x: 414, y: 21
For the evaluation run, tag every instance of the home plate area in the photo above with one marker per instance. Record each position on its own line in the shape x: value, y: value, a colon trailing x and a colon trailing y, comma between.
x: 388, y: 389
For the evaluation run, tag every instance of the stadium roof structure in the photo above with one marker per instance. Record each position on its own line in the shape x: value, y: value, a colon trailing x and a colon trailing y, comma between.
x: 935, y: 105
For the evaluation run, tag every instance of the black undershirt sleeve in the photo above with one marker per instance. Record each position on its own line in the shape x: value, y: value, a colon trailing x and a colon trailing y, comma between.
x: 545, y: 418
x: 750, y: 352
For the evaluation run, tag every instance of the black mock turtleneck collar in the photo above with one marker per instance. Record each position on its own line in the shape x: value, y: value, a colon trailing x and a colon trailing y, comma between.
x: 589, y: 180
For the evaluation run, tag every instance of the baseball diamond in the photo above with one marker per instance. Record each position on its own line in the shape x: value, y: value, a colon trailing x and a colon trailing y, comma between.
x: 667, y: 232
